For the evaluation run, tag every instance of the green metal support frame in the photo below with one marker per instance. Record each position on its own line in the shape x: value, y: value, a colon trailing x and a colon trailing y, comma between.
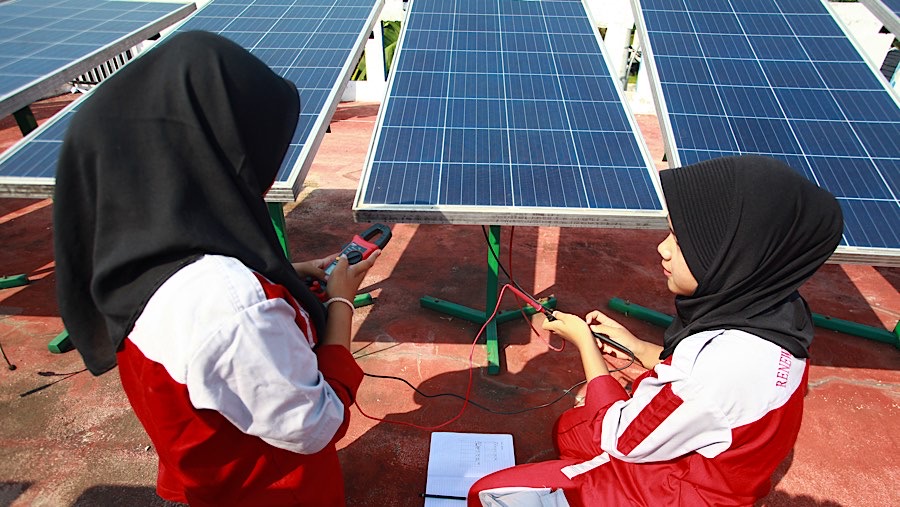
x: 276, y: 212
x: 8, y: 282
x: 58, y: 345
x: 825, y: 322
x: 482, y: 316
x: 25, y: 120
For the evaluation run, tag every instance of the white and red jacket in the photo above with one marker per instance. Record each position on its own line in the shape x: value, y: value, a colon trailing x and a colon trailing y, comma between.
x: 708, y: 426
x: 222, y: 372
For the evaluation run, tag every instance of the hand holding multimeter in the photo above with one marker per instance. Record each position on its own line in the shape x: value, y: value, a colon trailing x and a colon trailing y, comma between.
x: 361, y: 247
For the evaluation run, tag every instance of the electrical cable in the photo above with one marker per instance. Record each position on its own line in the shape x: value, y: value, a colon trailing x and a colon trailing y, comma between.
x: 527, y: 298
x: 9, y: 365
x: 482, y: 407
x: 537, y: 306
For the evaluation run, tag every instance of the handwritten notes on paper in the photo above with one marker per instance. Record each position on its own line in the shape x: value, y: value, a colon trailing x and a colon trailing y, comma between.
x: 457, y: 460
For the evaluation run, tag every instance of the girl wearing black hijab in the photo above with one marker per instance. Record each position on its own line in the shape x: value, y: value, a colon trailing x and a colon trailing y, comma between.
x: 721, y: 406
x: 167, y: 263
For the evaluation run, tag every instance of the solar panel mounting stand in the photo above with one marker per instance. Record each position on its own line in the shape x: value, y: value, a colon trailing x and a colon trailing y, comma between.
x: 479, y: 316
x: 7, y: 282
x: 25, y: 120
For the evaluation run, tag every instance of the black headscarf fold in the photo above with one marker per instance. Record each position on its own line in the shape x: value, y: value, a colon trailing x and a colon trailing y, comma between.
x: 752, y: 231
x: 166, y: 161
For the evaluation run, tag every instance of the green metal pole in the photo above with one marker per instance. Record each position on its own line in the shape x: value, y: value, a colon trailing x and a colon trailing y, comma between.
x: 61, y: 343
x: 645, y: 314
x: 25, y: 119
x: 823, y: 321
x: 490, y: 302
x: 856, y: 329
x: 7, y: 282
x: 276, y: 212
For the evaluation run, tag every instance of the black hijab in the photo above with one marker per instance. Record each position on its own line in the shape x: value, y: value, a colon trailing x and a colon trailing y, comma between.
x: 166, y: 161
x: 751, y: 230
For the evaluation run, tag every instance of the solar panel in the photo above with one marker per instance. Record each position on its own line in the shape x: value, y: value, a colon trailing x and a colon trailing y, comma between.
x: 506, y: 113
x: 887, y: 11
x: 44, y: 43
x: 314, y: 43
x: 780, y: 78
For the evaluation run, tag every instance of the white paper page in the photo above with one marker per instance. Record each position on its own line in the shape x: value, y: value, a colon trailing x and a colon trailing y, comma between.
x: 457, y: 460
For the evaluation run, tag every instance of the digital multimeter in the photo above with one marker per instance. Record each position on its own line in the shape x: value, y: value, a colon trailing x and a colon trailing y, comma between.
x: 363, y: 244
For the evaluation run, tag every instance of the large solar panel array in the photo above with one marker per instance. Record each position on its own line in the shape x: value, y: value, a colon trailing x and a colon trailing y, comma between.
x: 44, y: 43
x: 887, y: 11
x: 505, y: 112
x: 314, y: 43
x: 781, y: 78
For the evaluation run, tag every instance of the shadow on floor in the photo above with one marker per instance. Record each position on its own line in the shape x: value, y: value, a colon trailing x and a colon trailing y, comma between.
x: 122, y: 495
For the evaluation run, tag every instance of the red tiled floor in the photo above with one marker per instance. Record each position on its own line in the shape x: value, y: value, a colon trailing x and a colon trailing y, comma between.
x: 77, y: 442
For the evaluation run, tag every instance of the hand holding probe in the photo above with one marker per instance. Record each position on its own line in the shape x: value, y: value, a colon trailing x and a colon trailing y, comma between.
x: 534, y: 303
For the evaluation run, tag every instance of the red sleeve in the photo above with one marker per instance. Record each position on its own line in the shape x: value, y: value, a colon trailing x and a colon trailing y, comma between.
x: 344, y: 376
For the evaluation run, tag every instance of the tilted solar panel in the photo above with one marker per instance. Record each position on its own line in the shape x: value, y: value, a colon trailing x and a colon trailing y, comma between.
x: 44, y: 43
x: 887, y: 11
x: 780, y: 78
x: 314, y: 43
x: 505, y: 112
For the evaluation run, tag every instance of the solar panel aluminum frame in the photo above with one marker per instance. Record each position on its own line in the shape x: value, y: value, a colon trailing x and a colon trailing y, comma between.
x: 288, y: 190
x: 888, y: 18
x: 508, y: 215
x: 46, y: 85
x: 844, y: 253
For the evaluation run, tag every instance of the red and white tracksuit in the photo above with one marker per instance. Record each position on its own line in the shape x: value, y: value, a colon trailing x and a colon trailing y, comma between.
x: 708, y: 426
x: 222, y: 372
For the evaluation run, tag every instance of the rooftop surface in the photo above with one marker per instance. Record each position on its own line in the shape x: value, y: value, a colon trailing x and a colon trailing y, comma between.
x: 77, y: 442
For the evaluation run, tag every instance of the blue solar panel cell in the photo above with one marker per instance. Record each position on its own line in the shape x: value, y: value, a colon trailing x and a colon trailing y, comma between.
x: 714, y: 22
x: 815, y: 25
x: 830, y: 49
x: 700, y: 103
x: 879, y: 139
x: 703, y: 132
x: 860, y: 215
x: 890, y: 172
x: 831, y: 138
x: 679, y: 44
x: 800, y: 6
x: 702, y: 6
x: 736, y: 72
x: 762, y: 24
x: 777, y: 48
x: 806, y: 104
x: 719, y: 46
x: 803, y: 94
x: 749, y: 100
x: 763, y: 135
x: 854, y: 178
x: 866, y: 105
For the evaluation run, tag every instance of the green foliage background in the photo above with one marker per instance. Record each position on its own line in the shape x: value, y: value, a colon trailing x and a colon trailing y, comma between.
x: 391, y: 30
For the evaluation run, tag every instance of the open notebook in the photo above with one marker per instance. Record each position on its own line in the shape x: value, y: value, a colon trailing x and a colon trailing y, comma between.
x: 457, y: 460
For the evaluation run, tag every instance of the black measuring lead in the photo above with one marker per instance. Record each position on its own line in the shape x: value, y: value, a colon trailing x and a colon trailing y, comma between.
x: 534, y: 303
